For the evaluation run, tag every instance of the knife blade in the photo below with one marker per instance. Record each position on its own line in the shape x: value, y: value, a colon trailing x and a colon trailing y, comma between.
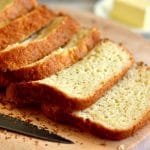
x: 19, y: 126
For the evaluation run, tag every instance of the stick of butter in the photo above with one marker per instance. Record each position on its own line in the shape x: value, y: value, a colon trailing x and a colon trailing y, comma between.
x: 135, y: 13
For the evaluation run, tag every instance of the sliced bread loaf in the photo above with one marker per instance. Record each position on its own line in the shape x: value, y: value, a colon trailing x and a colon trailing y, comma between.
x: 79, y: 45
x: 56, y: 34
x: 23, y: 27
x: 12, y: 9
x: 80, y: 85
x: 119, y: 113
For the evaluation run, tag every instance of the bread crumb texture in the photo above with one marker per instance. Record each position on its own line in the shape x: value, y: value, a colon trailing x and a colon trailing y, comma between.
x: 125, y: 104
x: 105, y: 61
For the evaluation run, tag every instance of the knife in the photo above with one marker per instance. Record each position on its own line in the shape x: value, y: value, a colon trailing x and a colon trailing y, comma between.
x: 18, y: 126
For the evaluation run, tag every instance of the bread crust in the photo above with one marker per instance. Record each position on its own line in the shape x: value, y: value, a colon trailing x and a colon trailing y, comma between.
x: 55, y: 63
x: 57, y: 114
x: 17, y: 9
x: 23, y: 55
x: 25, y: 26
x: 27, y: 92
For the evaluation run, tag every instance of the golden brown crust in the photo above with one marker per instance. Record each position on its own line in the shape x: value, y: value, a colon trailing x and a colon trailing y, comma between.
x: 58, y: 114
x: 25, y: 26
x: 24, y: 55
x: 17, y: 9
x: 28, y: 92
x: 55, y: 63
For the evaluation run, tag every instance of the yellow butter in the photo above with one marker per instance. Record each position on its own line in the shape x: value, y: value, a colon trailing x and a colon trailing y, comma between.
x: 132, y: 12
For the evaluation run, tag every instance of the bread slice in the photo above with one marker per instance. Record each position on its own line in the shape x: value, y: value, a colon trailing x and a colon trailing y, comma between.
x: 80, y: 85
x: 56, y: 34
x: 79, y: 45
x: 119, y: 113
x: 25, y: 26
x: 12, y: 9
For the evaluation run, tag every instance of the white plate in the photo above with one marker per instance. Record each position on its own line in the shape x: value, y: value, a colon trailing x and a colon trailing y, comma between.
x: 103, y: 7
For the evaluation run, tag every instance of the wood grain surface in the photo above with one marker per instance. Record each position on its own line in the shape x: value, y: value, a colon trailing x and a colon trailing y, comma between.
x: 140, y: 141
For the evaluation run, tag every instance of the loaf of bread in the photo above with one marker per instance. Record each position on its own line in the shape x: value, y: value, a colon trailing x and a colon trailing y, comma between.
x: 56, y: 34
x: 79, y: 45
x: 76, y: 77
x: 23, y: 27
x: 119, y: 113
x: 12, y: 9
x: 80, y: 85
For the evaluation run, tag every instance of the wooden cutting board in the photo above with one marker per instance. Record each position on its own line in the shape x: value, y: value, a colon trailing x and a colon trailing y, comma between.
x: 12, y: 141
